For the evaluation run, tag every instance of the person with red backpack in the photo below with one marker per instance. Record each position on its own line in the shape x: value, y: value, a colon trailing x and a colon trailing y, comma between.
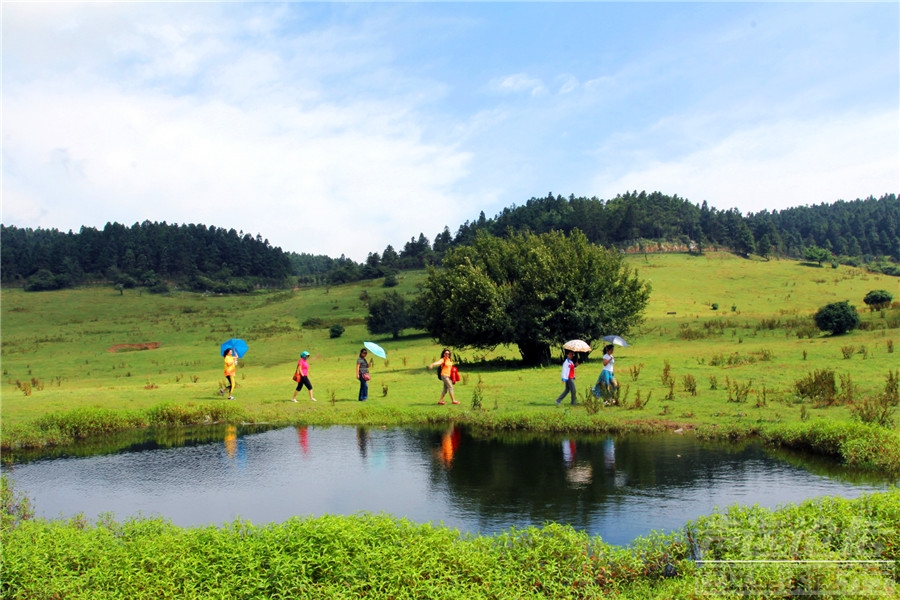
x: 568, y: 378
x: 445, y: 375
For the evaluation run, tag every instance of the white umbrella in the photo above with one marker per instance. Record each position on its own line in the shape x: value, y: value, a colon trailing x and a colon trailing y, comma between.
x: 577, y: 346
x: 614, y: 339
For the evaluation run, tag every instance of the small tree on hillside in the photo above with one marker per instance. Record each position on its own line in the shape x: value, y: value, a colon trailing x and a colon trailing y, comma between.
x: 878, y: 299
x: 837, y: 317
x: 816, y: 254
x: 390, y: 313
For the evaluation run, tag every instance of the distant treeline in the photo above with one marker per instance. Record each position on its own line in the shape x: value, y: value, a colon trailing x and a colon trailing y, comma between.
x: 858, y: 232
x: 148, y: 254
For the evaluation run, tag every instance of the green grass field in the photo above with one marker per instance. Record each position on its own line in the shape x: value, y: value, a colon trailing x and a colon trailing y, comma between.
x: 70, y: 349
x: 72, y: 366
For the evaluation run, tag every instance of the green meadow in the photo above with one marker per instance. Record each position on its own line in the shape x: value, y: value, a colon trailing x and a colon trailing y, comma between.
x: 723, y: 346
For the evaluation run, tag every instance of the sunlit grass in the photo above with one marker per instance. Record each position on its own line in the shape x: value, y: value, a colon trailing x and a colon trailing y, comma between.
x: 59, y: 345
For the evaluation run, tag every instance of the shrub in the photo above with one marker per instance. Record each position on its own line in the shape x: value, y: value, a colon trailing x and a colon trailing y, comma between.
x: 690, y: 384
x: 878, y: 299
x: 14, y: 508
x: 837, y: 318
x: 880, y: 409
x: 336, y: 331
x: 818, y: 386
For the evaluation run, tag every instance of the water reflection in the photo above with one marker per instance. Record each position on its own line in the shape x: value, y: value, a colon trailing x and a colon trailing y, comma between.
x: 449, y: 444
x: 303, y: 437
x: 362, y: 440
x: 617, y: 487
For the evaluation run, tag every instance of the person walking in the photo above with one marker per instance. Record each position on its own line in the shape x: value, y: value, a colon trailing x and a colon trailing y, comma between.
x: 230, y: 370
x: 568, y: 378
x: 607, y: 378
x: 303, y: 380
x: 446, y: 369
x: 362, y: 374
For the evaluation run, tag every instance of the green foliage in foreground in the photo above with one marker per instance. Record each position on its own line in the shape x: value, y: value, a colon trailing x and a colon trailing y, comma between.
x: 827, y: 546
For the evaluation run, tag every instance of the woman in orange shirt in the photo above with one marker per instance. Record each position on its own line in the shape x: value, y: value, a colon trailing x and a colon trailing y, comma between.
x: 230, y: 368
x: 446, y: 368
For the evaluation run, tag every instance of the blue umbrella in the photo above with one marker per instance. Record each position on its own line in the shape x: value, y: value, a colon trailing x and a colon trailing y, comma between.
x: 238, y: 347
x: 375, y: 349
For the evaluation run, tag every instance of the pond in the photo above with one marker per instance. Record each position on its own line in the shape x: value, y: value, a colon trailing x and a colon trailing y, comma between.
x: 615, y: 487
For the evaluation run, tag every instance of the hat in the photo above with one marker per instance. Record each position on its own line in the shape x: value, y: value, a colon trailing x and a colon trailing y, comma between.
x: 304, y: 354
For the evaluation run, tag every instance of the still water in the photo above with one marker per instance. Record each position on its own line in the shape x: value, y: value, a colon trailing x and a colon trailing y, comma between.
x: 615, y: 487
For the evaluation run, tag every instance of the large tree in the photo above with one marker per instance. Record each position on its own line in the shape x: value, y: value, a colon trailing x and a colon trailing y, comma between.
x: 533, y: 291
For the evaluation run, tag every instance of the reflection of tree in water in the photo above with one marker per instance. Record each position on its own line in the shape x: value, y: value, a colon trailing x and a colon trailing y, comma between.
x: 540, y: 479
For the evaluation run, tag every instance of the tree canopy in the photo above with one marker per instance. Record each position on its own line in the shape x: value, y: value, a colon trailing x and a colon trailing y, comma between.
x: 878, y: 299
x: 533, y: 291
x: 200, y: 257
x: 390, y: 313
x: 837, y: 317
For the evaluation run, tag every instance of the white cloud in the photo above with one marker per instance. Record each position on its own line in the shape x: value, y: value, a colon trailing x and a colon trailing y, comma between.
x: 341, y: 128
x: 518, y: 83
x: 188, y: 135
x: 775, y: 165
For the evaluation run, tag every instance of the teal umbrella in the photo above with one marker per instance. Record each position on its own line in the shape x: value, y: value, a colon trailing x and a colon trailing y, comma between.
x: 375, y: 349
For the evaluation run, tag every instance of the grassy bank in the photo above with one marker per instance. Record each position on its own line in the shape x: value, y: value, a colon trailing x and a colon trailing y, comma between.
x: 824, y: 547
x: 728, y: 349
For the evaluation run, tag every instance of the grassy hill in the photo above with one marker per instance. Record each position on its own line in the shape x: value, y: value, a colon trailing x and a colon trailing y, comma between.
x: 85, y: 348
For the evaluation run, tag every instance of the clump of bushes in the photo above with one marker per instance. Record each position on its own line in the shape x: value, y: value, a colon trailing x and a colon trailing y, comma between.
x: 819, y: 386
x: 880, y: 409
x: 878, y: 299
x: 837, y: 318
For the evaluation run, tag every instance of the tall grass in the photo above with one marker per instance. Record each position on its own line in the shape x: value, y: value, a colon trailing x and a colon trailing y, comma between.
x: 825, y: 547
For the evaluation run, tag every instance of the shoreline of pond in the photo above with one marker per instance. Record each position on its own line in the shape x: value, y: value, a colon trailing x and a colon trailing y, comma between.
x: 853, y: 444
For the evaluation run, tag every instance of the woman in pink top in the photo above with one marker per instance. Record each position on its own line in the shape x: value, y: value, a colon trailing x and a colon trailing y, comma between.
x: 303, y: 372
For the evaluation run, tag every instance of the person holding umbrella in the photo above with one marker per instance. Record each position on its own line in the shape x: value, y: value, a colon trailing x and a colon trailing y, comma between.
x: 230, y: 370
x: 362, y: 374
x: 568, y: 379
x: 606, y: 375
x: 301, y: 376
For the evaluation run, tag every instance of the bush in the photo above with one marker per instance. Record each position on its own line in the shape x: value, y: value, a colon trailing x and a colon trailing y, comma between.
x: 837, y: 318
x: 878, y: 299
x: 819, y: 386
x: 336, y: 331
x: 880, y: 409
x: 160, y: 288
x: 45, y: 280
x: 14, y: 508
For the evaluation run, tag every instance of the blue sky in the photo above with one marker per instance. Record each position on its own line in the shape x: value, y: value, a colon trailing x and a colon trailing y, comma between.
x: 340, y: 128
